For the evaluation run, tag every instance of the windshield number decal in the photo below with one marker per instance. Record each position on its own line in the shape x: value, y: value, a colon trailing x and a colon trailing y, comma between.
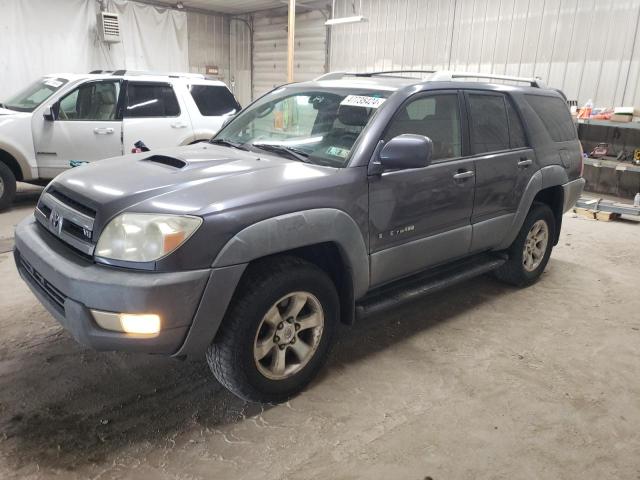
x: 362, y: 101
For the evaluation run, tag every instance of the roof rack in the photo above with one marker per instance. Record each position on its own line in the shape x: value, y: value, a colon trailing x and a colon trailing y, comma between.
x: 120, y: 73
x: 436, y: 76
x: 444, y: 76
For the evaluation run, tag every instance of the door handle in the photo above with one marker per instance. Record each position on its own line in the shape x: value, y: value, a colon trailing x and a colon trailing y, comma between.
x: 463, y: 175
x: 178, y: 125
x: 525, y: 162
x: 103, y: 131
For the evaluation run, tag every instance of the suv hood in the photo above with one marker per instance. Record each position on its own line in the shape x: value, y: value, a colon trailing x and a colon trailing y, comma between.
x: 197, y: 179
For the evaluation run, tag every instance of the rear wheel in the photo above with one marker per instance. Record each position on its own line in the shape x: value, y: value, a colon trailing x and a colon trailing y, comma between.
x: 278, y: 331
x: 530, y: 251
x: 7, y: 186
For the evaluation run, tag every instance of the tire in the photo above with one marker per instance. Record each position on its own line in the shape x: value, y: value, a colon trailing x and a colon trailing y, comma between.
x: 515, y: 272
x: 237, y: 355
x: 7, y: 186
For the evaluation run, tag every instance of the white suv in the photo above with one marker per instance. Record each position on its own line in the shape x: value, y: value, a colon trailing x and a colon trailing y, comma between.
x: 66, y: 117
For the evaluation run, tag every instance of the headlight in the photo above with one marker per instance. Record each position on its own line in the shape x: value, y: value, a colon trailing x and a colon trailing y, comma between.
x: 145, y: 237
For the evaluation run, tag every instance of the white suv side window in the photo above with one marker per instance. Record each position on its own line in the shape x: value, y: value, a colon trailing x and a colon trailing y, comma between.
x: 97, y: 101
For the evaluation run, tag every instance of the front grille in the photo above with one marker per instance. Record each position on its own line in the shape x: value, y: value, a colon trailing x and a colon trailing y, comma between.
x: 43, y: 285
x: 66, y: 218
x: 71, y: 202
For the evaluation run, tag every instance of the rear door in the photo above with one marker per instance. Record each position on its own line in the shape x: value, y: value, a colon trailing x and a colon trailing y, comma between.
x: 420, y: 217
x: 88, y: 128
x: 504, y: 163
x: 155, y: 113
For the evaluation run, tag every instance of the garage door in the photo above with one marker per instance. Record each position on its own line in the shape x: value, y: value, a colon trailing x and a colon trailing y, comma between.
x: 270, y: 50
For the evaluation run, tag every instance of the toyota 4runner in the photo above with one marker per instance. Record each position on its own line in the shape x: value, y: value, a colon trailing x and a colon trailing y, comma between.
x: 322, y: 202
x: 66, y: 117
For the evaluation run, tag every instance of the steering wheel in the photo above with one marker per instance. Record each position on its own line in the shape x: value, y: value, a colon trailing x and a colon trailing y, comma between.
x: 63, y: 115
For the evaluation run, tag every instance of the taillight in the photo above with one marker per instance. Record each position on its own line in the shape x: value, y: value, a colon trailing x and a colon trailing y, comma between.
x: 581, y: 159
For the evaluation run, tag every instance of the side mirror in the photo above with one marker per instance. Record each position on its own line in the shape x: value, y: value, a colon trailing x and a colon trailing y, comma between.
x: 407, y: 151
x: 51, y: 113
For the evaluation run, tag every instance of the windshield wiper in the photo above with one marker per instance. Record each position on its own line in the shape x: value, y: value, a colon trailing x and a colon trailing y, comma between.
x: 227, y: 143
x: 291, y: 152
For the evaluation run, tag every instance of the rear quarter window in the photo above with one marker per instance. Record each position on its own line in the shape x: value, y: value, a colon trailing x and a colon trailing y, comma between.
x: 214, y: 100
x: 555, y: 116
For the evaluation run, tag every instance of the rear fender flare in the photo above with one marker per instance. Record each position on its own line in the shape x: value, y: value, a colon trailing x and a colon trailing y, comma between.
x: 300, y: 229
x: 546, y: 177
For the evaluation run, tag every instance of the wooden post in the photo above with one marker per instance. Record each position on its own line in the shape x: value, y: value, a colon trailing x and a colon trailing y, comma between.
x: 291, y: 40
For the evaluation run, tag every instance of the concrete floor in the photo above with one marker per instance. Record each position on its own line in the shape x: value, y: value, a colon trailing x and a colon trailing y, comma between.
x: 479, y: 381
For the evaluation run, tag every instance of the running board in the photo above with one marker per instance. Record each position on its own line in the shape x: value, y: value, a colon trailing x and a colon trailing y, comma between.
x: 414, y: 287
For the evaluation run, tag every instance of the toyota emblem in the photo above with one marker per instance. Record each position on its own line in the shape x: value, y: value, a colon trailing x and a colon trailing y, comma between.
x: 55, y: 221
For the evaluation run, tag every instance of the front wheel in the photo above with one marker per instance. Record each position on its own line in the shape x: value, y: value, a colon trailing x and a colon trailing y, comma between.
x: 278, y: 331
x: 530, y: 251
x: 7, y: 186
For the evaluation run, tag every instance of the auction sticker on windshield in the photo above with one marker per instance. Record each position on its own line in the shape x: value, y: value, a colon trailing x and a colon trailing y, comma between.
x: 362, y: 101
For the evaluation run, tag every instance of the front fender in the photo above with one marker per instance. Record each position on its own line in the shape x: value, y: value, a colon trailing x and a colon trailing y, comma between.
x: 301, y: 229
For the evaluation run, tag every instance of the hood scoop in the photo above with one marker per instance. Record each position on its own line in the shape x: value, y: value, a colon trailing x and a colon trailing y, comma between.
x: 165, y: 160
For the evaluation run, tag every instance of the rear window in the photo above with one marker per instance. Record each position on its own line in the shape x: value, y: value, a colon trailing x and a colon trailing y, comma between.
x: 555, y: 116
x: 214, y: 100
x: 151, y: 100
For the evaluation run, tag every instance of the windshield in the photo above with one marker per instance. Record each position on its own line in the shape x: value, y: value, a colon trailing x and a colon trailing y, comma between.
x: 318, y: 126
x: 36, y: 93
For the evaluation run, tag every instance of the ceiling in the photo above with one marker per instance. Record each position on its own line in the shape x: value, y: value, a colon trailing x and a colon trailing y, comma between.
x: 231, y: 6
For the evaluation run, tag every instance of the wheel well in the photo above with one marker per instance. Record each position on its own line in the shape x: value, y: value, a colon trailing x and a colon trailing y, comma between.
x: 327, y: 256
x: 554, y: 198
x: 12, y: 163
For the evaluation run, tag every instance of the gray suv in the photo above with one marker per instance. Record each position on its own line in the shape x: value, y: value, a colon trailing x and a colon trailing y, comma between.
x: 322, y: 202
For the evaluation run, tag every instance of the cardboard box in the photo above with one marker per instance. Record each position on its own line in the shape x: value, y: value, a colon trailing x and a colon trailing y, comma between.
x: 621, y: 118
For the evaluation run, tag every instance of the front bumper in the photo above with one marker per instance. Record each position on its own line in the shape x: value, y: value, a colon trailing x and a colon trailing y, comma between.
x: 69, y: 286
x: 572, y: 191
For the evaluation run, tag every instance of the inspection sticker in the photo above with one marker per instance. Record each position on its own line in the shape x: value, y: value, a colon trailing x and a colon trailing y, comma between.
x: 362, y: 101
x: 53, y: 83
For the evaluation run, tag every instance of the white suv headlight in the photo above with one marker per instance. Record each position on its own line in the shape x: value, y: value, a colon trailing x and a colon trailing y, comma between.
x: 145, y: 237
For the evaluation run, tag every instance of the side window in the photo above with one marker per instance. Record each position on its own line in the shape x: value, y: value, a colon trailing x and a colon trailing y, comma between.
x: 555, y: 116
x: 94, y: 101
x: 436, y: 117
x: 517, y: 137
x: 146, y: 100
x: 214, y: 100
x: 489, y: 123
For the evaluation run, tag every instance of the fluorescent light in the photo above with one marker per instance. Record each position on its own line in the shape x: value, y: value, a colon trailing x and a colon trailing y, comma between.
x: 338, y: 21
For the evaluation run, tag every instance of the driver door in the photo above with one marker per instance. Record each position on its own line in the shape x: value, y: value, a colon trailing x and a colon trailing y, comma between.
x: 421, y: 217
x: 88, y: 127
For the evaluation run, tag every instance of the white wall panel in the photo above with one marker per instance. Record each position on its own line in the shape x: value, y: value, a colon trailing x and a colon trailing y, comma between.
x: 209, y: 43
x: 270, y: 49
x: 589, y: 48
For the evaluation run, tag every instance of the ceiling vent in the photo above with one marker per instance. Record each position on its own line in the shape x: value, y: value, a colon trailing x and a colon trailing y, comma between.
x: 109, y: 27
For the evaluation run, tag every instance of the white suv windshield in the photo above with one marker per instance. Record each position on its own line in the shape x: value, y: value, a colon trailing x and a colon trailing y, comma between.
x: 318, y: 126
x: 31, y: 97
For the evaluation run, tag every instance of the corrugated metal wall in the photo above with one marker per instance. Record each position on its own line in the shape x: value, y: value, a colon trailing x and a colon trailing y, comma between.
x: 588, y: 48
x: 209, y: 43
x: 270, y: 48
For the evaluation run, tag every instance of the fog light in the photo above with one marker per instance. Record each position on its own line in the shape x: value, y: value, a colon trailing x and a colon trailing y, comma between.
x: 146, y: 324
x: 141, y: 324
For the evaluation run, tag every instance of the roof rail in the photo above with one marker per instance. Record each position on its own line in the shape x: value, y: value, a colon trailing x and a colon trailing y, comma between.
x: 94, y: 72
x: 119, y: 73
x: 436, y: 75
x: 339, y: 75
x: 444, y: 76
